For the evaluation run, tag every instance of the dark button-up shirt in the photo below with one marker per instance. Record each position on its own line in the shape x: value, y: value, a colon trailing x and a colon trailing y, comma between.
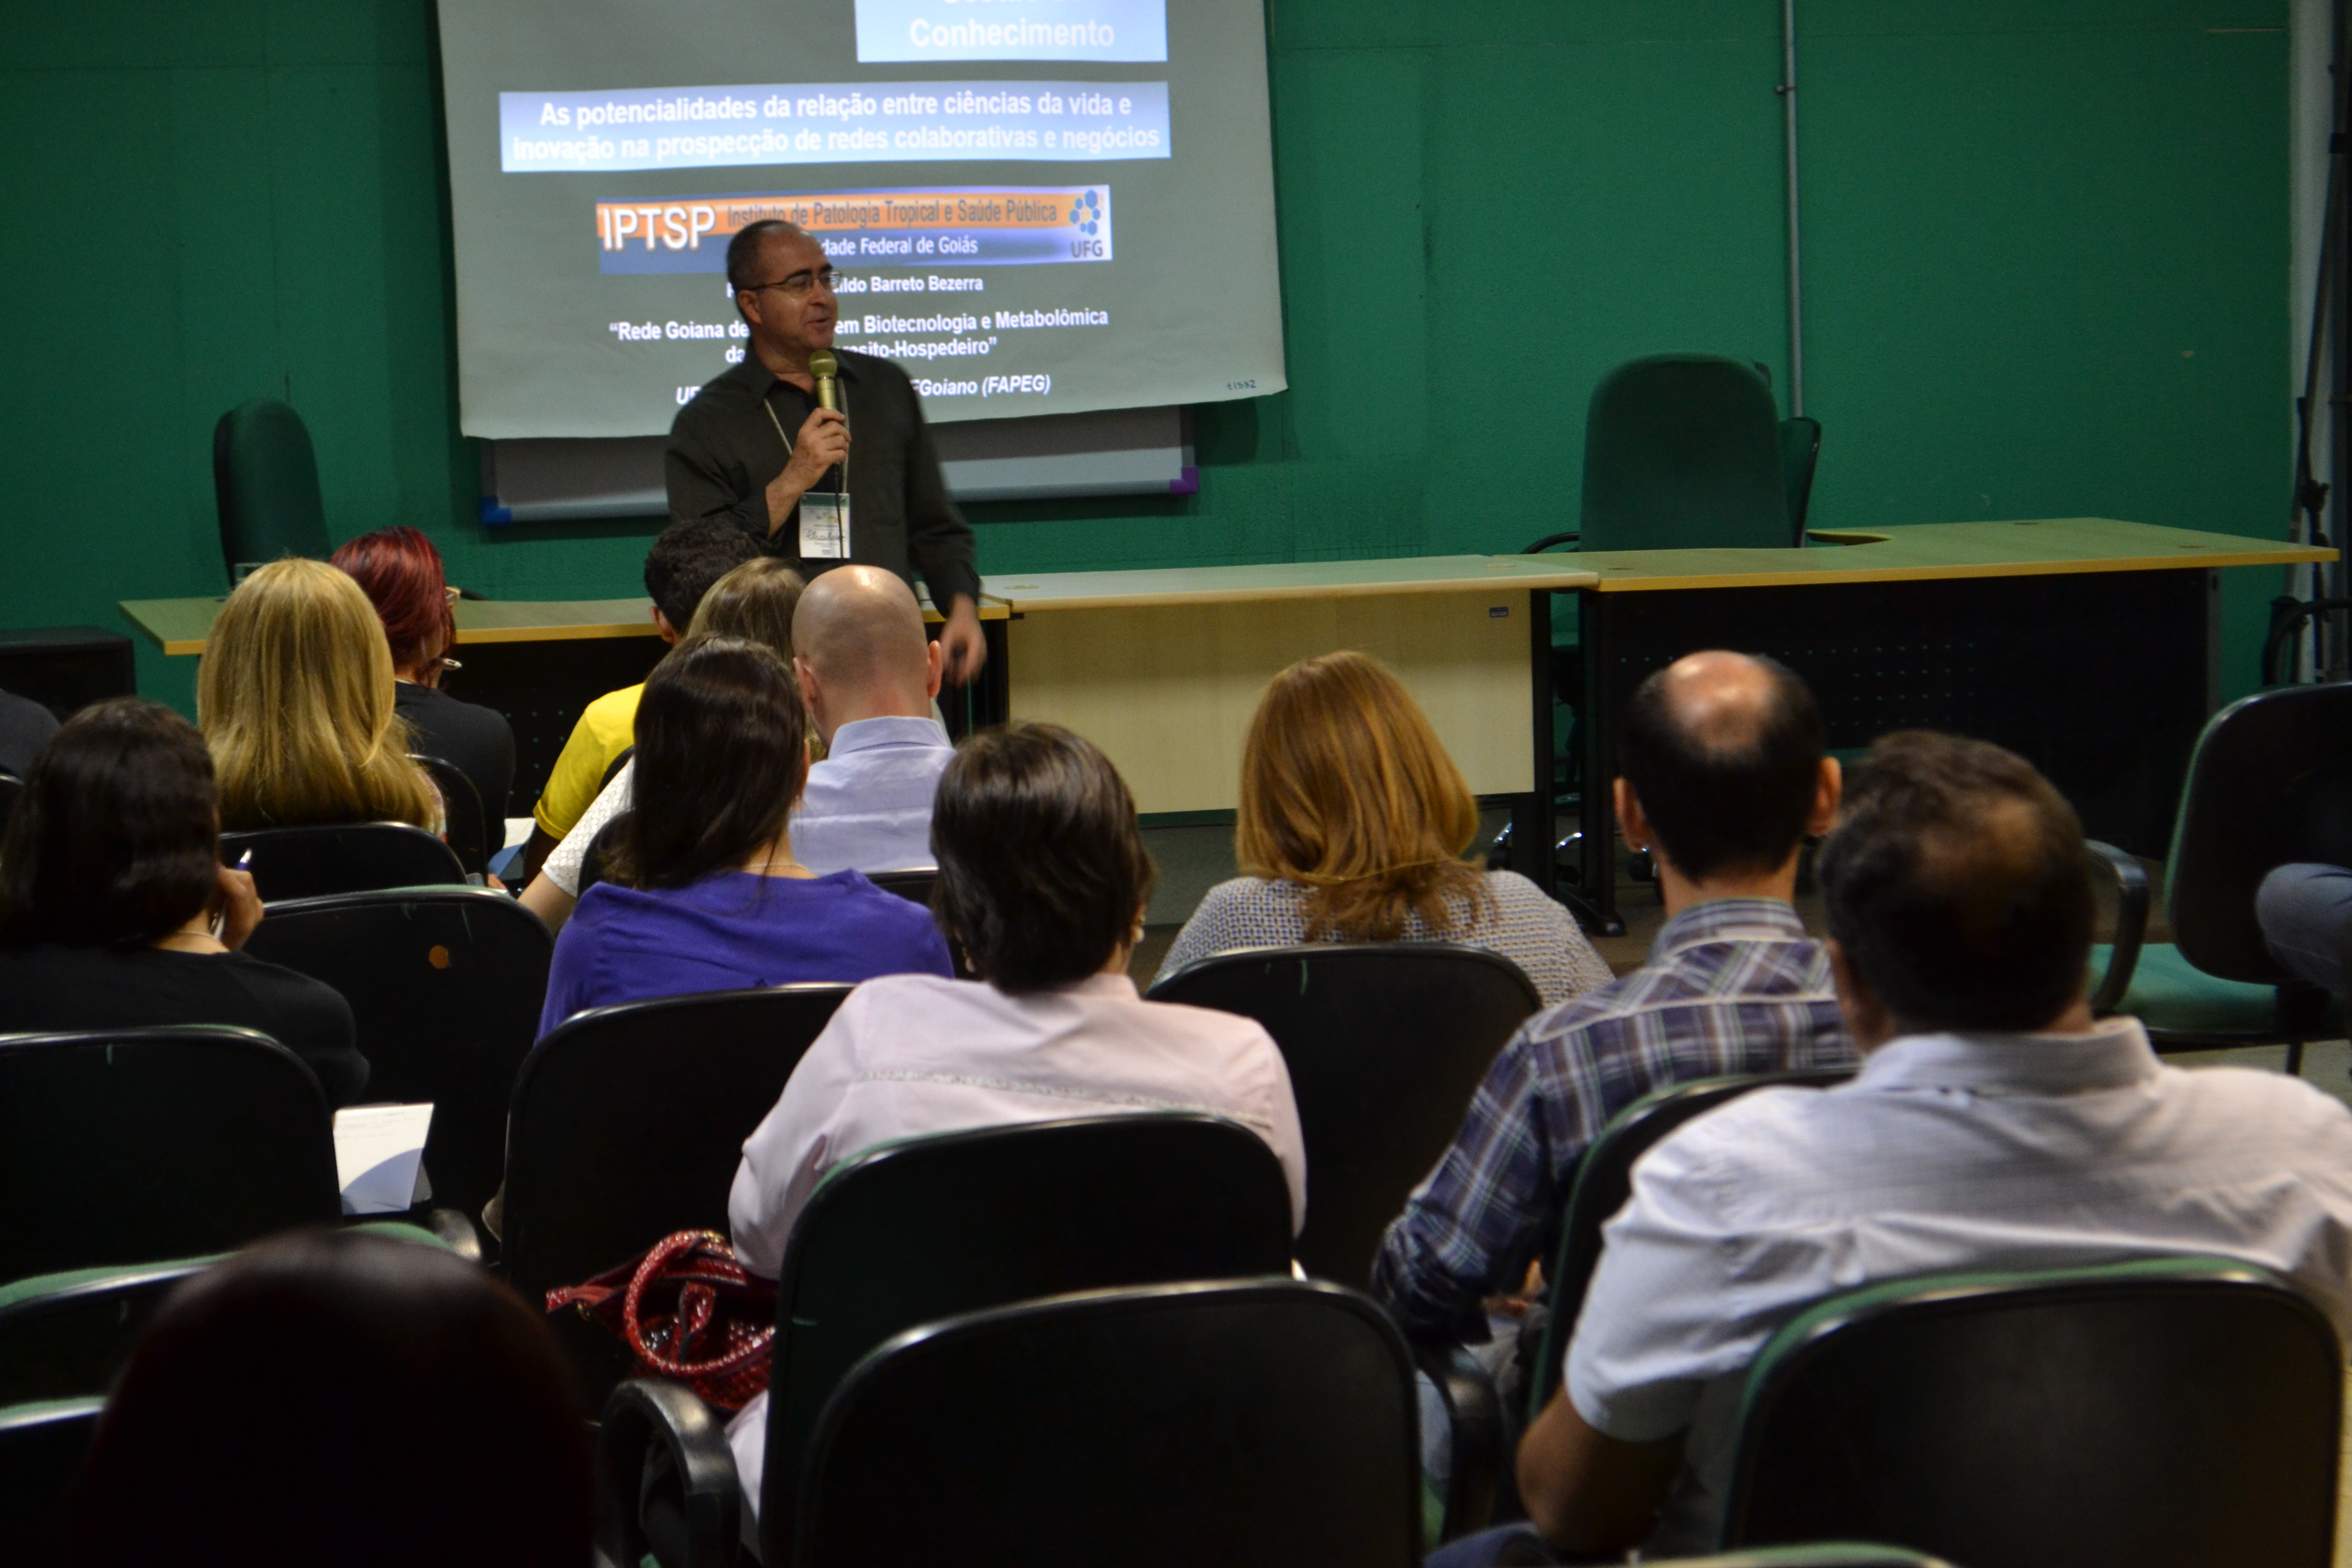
x: 1732, y: 985
x: 724, y: 451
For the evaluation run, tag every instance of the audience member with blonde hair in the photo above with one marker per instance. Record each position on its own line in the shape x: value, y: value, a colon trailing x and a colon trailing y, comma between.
x: 754, y: 601
x: 295, y: 698
x: 1352, y: 826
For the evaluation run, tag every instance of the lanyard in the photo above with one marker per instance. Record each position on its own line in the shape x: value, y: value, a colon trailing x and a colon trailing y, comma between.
x: 843, y: 487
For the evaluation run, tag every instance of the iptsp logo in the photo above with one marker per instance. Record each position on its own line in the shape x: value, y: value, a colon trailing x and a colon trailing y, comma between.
x: 1086, y: 212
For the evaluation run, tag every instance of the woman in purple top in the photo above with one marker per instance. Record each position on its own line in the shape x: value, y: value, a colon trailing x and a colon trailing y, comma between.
x: 704, y: 894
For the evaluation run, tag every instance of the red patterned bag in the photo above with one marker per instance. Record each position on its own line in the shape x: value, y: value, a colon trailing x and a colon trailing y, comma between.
x: 690, y: 1313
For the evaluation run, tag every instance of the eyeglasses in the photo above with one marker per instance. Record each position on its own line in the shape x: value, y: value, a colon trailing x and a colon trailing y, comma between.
x: 800, y: 283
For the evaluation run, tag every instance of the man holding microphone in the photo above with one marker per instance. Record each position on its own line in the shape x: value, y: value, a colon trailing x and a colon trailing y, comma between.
x: 767, y: 446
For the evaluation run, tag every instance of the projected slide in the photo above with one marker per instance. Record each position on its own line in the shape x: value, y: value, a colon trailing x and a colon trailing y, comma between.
x: 960, y: 162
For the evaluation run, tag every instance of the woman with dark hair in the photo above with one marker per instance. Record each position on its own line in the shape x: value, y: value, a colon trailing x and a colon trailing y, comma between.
x: 343, y: 1398
x: 1043, y: 878
x: 755, y: 600
x: 116, y: 912
x: 704, y: 893
x: 400, y: 571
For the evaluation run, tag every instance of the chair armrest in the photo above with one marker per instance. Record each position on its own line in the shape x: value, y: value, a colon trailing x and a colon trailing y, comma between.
x: 666, y: 1479
x: 1549, y: 539
x: 456, y: 1232
x: 1477, y: 1413
x: 2131, y: 925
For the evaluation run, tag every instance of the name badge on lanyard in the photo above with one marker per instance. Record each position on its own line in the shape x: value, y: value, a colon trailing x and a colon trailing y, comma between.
x: 825, y: 514
x: 825, y: 525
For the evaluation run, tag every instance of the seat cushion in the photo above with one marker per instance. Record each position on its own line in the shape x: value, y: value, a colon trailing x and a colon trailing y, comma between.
x: 2169, y: 995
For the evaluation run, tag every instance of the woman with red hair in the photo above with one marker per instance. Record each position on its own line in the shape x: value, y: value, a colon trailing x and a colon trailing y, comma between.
x: 400, y: 571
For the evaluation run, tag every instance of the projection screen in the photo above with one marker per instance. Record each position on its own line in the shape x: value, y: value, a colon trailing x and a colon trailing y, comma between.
x: 1036, y: 207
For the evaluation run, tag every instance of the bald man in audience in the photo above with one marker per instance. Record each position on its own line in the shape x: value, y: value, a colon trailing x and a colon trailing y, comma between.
x: 1725, y: 776
x: 1994, y: 1124
x: 869, y: 673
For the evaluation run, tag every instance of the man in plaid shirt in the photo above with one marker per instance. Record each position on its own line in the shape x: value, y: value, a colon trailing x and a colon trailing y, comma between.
x: 1723, y: 777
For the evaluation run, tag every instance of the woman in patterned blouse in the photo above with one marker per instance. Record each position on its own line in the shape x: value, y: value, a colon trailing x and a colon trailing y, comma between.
x: 1352, y: 826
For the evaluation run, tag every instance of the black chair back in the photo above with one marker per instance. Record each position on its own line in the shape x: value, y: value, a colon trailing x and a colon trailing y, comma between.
x: 124, y: 1145
x: 1604, y: 1180
x: 627, y: 1124
x: 67, y: 669
x: 348, y: 857
x: 1826, y: 1554
x: 612, y: 769
x: 914, y: 883
x: 1257, y: 1424
x: 924, y: 1228
x: 2159, y: 1414
x: 1683, y: 452
x: 41, y: 1452
x: 11, y: 786
x: 1385, y: 1043
x: 2269, y: 783
x: 67, y: 1340
x: 446, y: 985
x: 466, y: 825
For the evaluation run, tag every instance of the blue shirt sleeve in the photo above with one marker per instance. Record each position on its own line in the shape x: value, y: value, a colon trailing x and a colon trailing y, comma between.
x: 568, y: 971
x: 1474, y: 1220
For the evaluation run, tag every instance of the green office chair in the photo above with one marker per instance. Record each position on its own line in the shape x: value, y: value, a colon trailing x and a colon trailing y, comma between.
x: 1685, y: 452
x: 626, y: 1124
x: 1528, y: 1550
x: 120, y: 1146
x: 1681, y: 452
x: 266, y: 485
x: 1249, y: 1424
x: 41, y: 1449
x: 65, y: 1336
x: 1604, y: 1181
x: 1801, y: 453
x: 446, y: 984
x: 2164, y: 1413
x: 2269, y: 783
x: 1822, y: 1554
x: 921, y: 1229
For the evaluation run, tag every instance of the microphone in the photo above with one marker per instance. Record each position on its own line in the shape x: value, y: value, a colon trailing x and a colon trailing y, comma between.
x: 827, y: 370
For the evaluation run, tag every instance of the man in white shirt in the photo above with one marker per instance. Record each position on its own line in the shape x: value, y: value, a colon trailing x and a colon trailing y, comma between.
x: 1043, y: 880
x: 1994, y: 1124
x: 869, y: 673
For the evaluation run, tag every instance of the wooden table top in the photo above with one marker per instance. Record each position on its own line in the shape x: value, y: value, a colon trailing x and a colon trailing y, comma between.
x: 1030, y: 592
x: 2027, y: 548
x: 181, y: 625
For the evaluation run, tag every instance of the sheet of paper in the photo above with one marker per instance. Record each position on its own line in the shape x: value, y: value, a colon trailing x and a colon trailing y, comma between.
x: 379, y: 1150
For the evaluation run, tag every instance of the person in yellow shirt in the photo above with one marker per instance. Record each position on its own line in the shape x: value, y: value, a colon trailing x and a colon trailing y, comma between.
x: 681, y: 566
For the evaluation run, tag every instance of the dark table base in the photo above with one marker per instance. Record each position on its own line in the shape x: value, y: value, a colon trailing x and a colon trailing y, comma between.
x: 2102, y: 680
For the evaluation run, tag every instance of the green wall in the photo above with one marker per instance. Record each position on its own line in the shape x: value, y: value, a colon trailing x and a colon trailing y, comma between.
x: 2046, y: 252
